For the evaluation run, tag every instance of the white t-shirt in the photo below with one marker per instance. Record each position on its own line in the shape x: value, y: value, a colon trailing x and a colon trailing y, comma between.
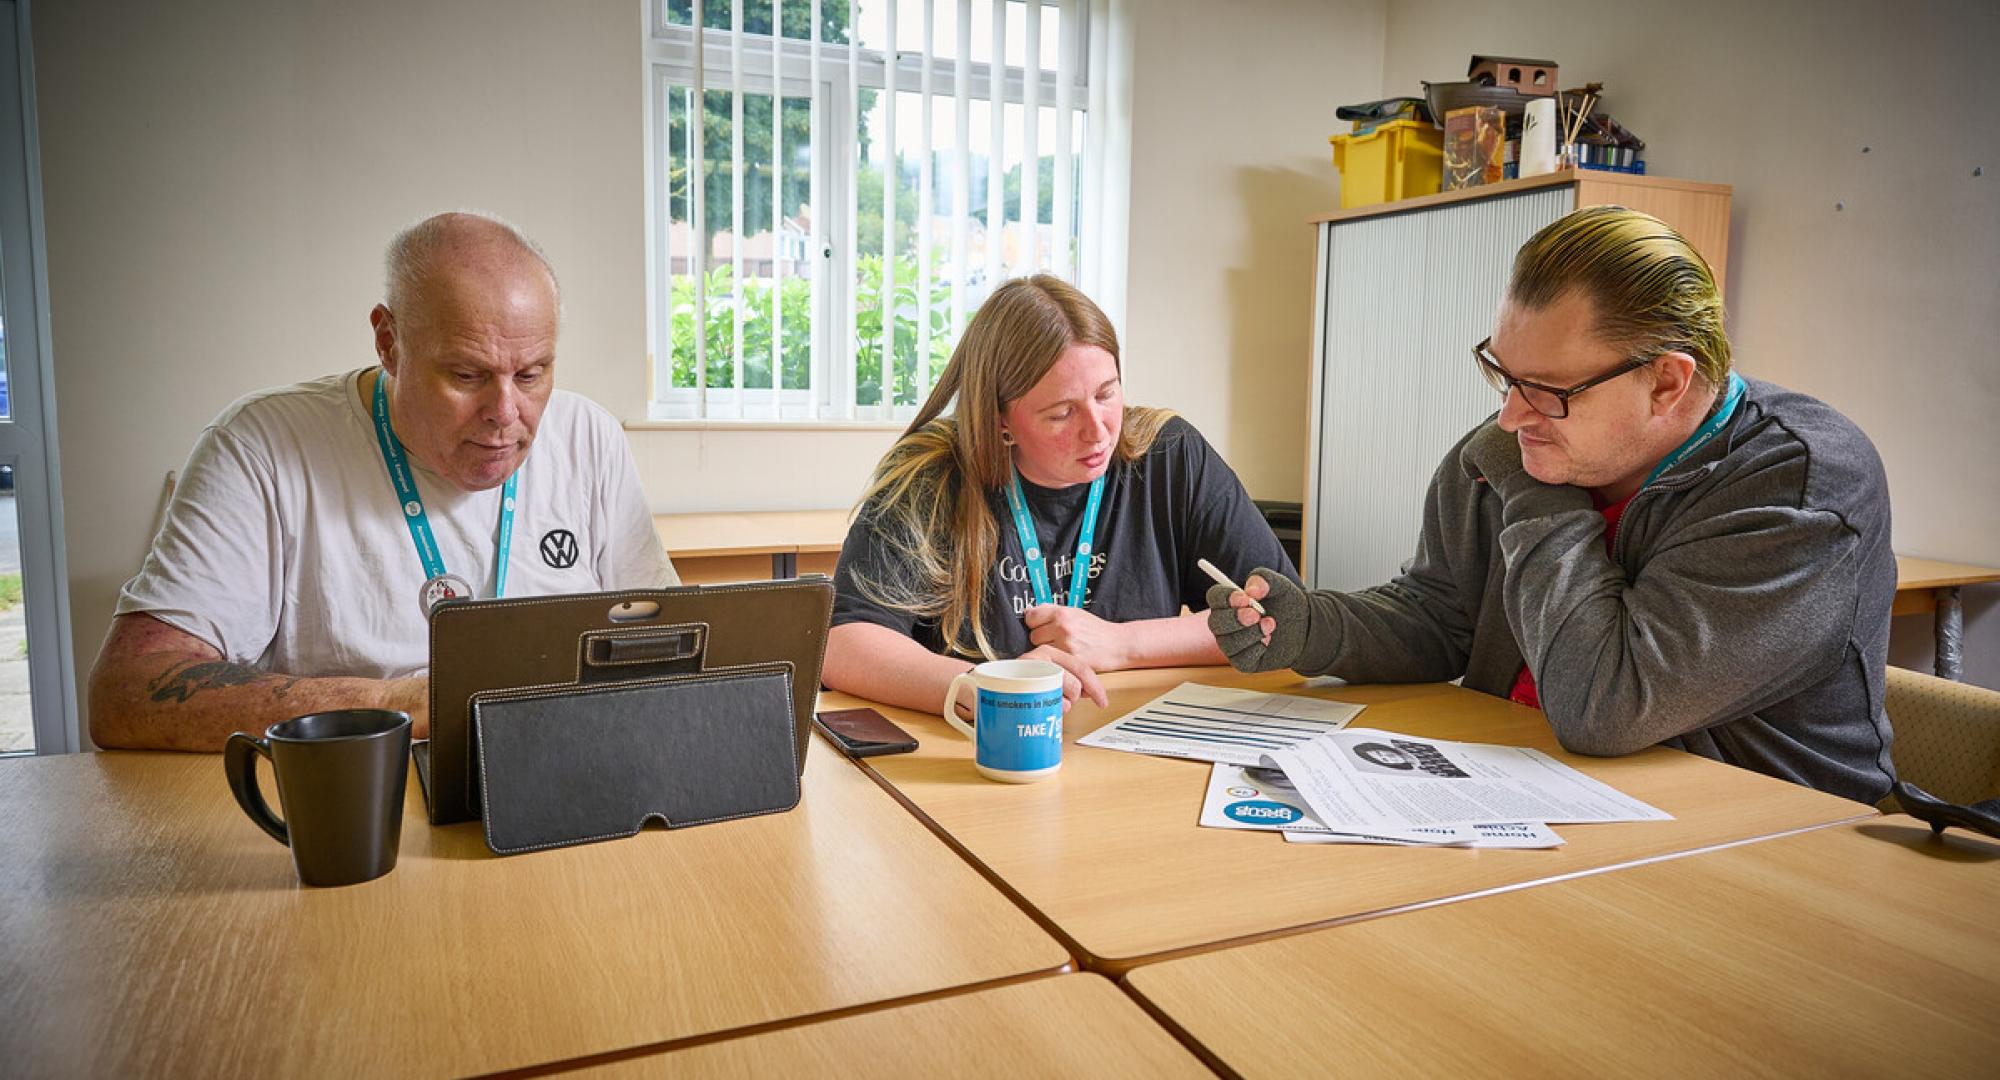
x: 285, y: 545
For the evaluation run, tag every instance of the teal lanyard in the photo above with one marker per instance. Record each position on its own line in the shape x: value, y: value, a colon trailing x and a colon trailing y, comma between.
x: 1705, y: 432
x: 1031, y: 544
x: 413, y: 502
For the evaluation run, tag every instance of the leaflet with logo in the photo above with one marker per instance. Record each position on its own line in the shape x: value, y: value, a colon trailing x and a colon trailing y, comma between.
x: 1219, y: 723
x: 1262, y: 798
x: 1381, y: 782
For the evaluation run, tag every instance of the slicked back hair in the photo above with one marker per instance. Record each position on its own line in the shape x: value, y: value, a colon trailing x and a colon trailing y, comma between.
x: 1653, y: 292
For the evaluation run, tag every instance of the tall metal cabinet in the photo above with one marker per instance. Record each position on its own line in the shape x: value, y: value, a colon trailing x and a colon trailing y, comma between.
x: 1404, y: 290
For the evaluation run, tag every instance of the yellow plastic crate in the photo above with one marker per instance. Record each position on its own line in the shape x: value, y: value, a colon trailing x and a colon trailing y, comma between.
x: 1397, y: 160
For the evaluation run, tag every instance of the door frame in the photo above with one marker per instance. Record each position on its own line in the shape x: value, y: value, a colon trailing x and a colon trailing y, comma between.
x: 28, y: 436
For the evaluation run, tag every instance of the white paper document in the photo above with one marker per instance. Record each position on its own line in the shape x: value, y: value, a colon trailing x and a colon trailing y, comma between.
x: 1378, y: 782
x: 1262, y: 798
x: 1510, y: 834
x: 1217, y: 723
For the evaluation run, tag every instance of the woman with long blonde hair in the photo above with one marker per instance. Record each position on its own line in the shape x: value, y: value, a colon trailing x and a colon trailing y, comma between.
x: 1042, y: 517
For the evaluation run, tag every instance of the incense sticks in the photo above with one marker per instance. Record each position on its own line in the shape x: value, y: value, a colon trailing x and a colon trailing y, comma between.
x: 1573, y: 125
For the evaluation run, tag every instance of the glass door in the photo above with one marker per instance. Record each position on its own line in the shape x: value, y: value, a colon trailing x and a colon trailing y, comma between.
x: 37, y: 678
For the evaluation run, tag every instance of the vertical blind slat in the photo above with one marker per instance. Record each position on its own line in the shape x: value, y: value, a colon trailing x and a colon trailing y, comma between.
x: 886, y: 146
x: 850, y: 341
x: 1065, y: 218
x: 1031, y: 144
x: 737, y: 226
x: 697, y: 173
x: 816, y: 196
x: 924, y: 212
x: 961, y: 176
x: 663, y: 284
x: 996, y: 178
x: 777, y: 206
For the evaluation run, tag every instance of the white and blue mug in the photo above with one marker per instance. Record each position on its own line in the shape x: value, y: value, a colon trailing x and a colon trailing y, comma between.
x: 1017, y: 728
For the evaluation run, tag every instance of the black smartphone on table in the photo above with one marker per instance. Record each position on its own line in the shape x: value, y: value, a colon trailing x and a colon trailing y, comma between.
x: 864, y: 732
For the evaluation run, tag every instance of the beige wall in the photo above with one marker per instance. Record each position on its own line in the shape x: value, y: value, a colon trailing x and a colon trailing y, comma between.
x: 1889, y: 307
x: 1233, y: 105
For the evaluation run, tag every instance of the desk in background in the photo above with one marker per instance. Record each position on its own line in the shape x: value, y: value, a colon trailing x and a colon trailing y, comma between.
x: 1856, y: 950
x: 1925, y: 585
x: 707, y: 548
x: 1108, y: 852
x: 149, y: 928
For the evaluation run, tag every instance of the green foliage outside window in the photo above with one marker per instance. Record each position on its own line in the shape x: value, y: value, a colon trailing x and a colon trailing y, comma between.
x: 868, y: 329
x: 795, y: 297
x: 795, y: 301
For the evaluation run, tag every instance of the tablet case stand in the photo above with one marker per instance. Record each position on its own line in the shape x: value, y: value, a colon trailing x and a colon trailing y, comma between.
x: 566, y: 719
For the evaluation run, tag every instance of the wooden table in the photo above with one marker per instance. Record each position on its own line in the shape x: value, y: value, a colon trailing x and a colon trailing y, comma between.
x: 1109, y: 855
x: 733, y: 546
x: 148, y: 928
x: 1071, y: 1025
x: 1855, y: 950
x: 1926, y: 585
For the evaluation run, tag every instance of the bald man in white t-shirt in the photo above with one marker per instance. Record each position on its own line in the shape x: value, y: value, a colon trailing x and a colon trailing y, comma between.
x: 315, y: 524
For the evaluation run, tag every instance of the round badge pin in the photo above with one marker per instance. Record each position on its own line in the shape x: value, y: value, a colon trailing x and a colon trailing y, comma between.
x: 441, y: 588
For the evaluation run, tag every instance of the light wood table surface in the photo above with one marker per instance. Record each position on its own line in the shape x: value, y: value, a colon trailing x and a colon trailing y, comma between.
x: 1108, y: 852
x: 712, y: 547
x: 148, y: 928
x: 1927, y: 586
x: 1853, y: 950
x: 1070, y: 1025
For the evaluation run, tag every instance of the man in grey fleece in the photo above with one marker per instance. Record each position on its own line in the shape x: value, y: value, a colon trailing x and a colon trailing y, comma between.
x: 1677, y: 556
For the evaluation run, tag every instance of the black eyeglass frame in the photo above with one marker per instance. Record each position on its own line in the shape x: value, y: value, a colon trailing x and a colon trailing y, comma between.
x: 1504, y: 381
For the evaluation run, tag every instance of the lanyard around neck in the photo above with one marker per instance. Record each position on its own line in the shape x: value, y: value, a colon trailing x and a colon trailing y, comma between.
x: 1705, y: 432
x: 1031, y: 544
x: 413, y: 502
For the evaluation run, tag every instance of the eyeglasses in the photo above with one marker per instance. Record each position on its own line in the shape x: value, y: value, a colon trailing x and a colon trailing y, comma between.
x: 1550, y: 401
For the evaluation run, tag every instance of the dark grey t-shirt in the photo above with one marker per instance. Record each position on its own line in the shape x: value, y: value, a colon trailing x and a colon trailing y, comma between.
x: 1178, y: 503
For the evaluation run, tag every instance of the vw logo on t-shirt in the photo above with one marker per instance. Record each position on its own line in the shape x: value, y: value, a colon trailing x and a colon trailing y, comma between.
x: 559, y: 548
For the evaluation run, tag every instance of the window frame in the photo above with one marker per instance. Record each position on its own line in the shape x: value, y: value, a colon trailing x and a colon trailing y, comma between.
x: 669, y: 67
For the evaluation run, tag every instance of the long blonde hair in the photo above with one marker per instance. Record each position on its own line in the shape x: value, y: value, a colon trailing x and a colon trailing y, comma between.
x: 927, y: 501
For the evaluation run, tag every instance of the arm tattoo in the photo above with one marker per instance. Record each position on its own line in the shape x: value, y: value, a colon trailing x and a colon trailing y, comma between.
x: 179, y: 684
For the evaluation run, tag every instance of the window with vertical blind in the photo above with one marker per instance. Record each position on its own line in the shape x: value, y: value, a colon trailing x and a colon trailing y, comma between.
x: 834, y: 186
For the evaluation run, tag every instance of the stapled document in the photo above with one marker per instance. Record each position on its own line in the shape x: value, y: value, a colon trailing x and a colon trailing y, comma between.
x: 1217, y: 723
x: 1380, y: 782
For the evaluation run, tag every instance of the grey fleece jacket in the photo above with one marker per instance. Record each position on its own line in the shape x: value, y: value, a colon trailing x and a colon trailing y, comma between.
x: 1743, y: 614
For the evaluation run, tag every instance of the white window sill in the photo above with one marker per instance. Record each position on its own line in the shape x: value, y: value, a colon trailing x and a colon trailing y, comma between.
x: 765, y: 425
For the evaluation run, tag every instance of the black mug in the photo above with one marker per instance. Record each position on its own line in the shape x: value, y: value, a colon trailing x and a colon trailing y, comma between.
x: 341, y: 778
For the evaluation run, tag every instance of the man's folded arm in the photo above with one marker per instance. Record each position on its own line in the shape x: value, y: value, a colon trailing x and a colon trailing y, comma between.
x: 157, y: 687
x: 1743, y: 608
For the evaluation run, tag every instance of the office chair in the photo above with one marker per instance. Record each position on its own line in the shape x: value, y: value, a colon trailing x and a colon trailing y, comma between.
x: 1947, y: 751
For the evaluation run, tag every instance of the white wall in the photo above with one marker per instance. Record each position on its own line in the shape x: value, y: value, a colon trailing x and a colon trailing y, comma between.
x: 1888, y: 308
x: 1233, y: 104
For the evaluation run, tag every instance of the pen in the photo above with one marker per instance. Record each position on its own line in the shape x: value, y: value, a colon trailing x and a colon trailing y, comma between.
x: 1223, y: 579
